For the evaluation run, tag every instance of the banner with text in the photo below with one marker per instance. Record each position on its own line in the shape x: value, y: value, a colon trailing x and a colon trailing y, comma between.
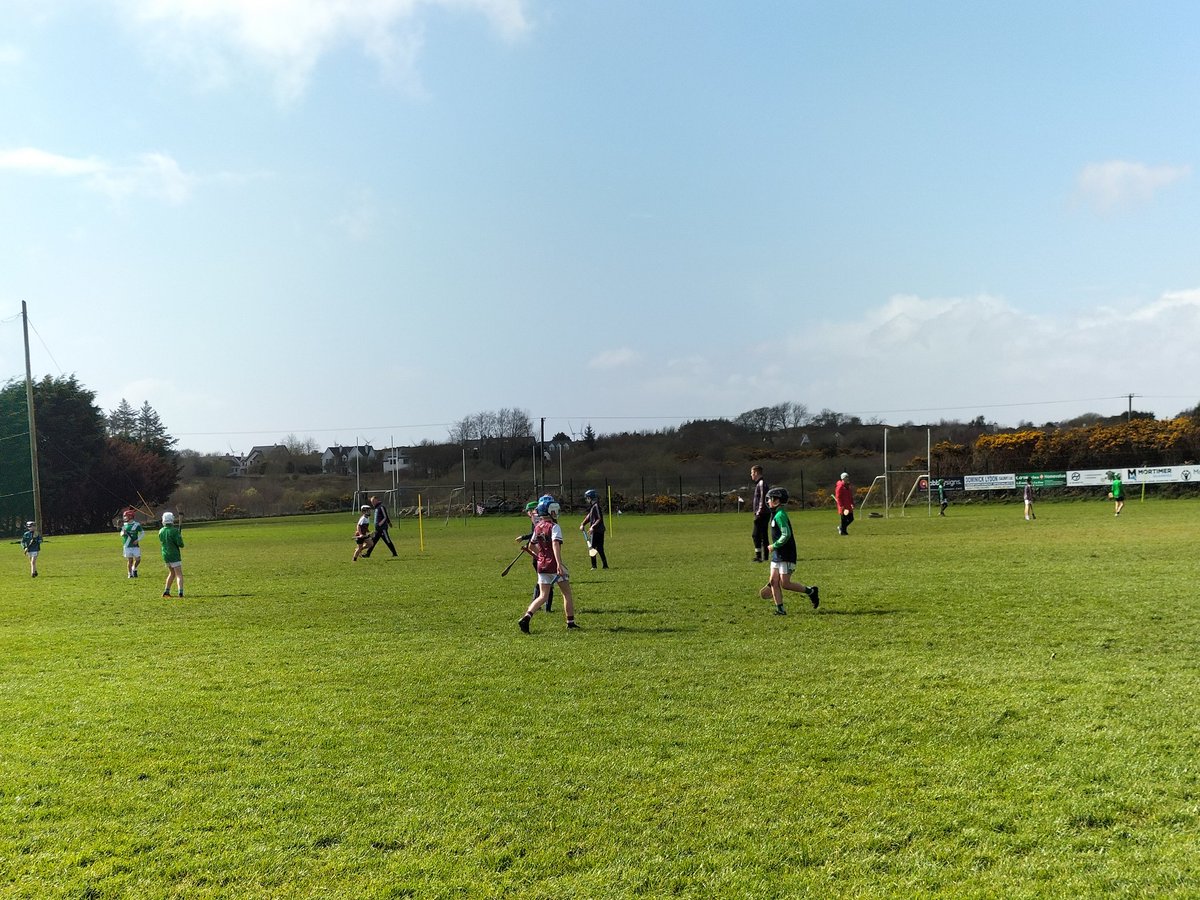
x: 1134, y: 475
x: 989, y: 482
x: 1083, y: 478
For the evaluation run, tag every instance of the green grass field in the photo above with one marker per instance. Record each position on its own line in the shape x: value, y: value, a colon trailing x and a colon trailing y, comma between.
x: 982, y: 707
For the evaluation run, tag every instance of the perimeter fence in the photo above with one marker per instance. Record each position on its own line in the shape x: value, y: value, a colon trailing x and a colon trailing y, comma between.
x: 641, y: 494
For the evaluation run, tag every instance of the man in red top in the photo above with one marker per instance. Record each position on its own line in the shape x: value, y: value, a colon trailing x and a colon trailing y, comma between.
x: 843, y: 496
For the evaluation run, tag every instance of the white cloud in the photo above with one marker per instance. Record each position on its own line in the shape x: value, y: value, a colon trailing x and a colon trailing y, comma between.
x: 11, y: 55
x: 358, y: 222
x: 923, y: 359
x: 983, y: 353
x: 153, y: 175
x: 40, y: 162
x: 1115, y: 184
x: 288, y: 38
x: 613, y: 359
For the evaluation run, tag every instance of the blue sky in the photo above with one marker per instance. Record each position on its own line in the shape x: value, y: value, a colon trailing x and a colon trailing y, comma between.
x: 365, y: 221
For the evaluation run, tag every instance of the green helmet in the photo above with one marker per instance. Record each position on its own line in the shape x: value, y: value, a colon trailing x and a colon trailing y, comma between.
x: 531, y: 506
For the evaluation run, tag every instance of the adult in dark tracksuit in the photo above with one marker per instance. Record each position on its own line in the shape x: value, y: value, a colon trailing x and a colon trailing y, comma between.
x: 593, y: 527
x: 762, y: 515
x: 382, y: 524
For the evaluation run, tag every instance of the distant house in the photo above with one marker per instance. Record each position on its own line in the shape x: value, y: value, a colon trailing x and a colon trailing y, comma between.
x: 243, y: 465
x: 341, y: 460
x: 396, y: 459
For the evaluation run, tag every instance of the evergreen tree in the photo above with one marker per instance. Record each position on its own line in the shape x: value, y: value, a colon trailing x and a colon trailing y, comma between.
x: 122, y: 421
x: 86, y: 476
x: 150, y: 432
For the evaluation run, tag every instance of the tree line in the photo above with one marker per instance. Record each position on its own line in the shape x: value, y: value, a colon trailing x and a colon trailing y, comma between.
x: 91, y: 464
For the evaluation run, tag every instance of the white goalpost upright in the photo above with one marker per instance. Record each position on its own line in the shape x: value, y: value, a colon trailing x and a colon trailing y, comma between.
x: 888, y: 473
x: 389, y: 496
x: 870, y: 490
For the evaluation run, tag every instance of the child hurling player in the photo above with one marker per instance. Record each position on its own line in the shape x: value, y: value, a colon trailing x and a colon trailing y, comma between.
x: 31, y: 545
x: 593, y: 526
x: 171, y: 539
x: 783, y: 555
x: 131, y: 537
x: 531, y: 511
x: 546, y: 546
x: 362, y: 532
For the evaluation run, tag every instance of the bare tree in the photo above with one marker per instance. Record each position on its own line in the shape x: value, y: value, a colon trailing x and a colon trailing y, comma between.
x: 298, y: 446
x: 797, y: 415
x: 494, y: 431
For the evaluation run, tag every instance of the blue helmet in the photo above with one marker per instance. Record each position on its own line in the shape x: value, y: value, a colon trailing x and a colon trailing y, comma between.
x: 590, y: 494
x: 547, y: 506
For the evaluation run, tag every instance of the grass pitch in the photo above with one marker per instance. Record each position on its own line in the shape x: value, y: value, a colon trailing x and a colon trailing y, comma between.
x: 983, y: 706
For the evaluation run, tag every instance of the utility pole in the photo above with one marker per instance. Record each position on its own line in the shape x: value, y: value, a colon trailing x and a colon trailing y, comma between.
x: 33, y: 457
x: 1129, y: 415
x: 542, y: 456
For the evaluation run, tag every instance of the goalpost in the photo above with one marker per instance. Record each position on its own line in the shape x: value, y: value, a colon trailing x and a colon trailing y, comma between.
x: 903, y: 490
x: 875, y: 484
x: 389, y: 496
x: 420, y: 501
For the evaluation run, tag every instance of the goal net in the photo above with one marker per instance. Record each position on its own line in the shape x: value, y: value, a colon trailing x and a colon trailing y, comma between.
x: 428, y: 502
x: 893, y: 491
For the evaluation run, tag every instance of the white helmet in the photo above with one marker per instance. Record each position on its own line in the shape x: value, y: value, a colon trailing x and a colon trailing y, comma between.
x: 168, y: 518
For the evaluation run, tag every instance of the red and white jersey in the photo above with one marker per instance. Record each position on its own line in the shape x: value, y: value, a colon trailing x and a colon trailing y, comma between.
x: 545, y: 533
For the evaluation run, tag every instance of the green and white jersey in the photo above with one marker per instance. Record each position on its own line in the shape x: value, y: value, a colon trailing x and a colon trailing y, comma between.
x: 131, y: 534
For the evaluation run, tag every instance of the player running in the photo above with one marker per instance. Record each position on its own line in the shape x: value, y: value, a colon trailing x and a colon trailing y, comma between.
x: 783, y: 555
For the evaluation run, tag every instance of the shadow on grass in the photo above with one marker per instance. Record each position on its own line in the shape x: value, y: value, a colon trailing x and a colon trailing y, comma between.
x: 601, y: 611
x: 626, y: 629
x: 858, y: 612
x: 208, y: 596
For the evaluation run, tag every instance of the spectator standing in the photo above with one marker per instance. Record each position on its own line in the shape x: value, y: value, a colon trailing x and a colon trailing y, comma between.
x: 1029, y: 514
x: 843, y: 497
x: 762, y: 515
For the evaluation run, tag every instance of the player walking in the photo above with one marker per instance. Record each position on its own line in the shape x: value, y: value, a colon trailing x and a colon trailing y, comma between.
x: 531, y: 511
x: 31, y: 546
x: 593, y: 526
x: 546, y: 546
x: 131, y: 538
x: 171, y: 539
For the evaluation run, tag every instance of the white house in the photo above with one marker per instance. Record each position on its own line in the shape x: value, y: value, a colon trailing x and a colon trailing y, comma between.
x: 240, y: 465
x: 340, y: 460
x: 396, y: 459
